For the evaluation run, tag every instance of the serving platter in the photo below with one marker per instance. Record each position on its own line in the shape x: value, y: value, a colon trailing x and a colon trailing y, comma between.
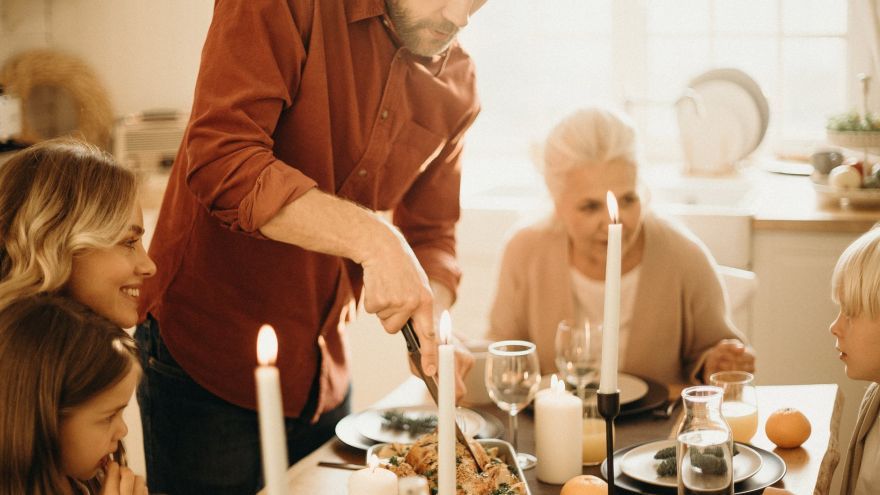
x: 864, y: 198
x: 505, y: 453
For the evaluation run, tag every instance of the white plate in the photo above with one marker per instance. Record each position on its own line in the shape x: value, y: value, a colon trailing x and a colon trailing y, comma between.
x: 722, y: 117
x: 639, y: 463
x: 632, y: 388
x: 748, y: 84
x: 371, y: 425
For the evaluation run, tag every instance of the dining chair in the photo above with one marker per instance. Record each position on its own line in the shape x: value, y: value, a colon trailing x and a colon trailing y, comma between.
x: 741, y: 286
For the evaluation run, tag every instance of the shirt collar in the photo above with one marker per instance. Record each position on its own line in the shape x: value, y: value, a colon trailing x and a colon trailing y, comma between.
x: 358, y: 10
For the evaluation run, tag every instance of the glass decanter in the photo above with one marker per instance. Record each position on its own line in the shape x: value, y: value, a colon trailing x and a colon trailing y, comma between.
x: 704, y: 445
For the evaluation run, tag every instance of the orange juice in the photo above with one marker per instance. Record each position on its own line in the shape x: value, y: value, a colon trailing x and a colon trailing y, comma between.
x: 594, y: 441
x: 742, y: 418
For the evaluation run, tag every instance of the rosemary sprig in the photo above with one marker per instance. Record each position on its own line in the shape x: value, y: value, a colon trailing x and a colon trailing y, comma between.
x: 415, y: 425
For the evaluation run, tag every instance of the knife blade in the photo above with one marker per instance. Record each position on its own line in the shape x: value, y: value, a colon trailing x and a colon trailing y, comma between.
x: 415, y: 355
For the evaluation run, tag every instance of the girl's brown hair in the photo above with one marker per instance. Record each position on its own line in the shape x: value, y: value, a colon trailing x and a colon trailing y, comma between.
x: 55, y: 354
x: 57, y: 199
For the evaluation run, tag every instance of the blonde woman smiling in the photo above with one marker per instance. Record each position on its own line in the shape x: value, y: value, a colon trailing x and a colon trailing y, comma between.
x: 673, y: 322
x: 70, y: 223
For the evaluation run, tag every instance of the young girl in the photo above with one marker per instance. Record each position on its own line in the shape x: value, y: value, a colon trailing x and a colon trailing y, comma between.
x: 66, y: 374
x: 855, y: 287
x: 70, y: 223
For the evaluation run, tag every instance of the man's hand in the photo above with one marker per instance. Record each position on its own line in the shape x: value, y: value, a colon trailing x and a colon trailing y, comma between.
x: 464, y: 361
x: 728, y: 355
x: 395, y: 285
x: 122, y: 481
x: 396, y: 289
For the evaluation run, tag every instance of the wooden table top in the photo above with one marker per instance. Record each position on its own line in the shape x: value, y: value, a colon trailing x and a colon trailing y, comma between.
x: 810, y: 466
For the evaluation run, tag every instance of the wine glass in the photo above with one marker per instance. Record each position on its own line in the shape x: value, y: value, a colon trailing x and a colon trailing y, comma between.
x: 740, y: 404
x: 578, y: 354
x: 512, y: 379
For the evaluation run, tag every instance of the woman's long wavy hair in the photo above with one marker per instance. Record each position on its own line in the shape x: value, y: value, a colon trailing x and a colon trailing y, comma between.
x: 57, y: 199
x: 55, y: 354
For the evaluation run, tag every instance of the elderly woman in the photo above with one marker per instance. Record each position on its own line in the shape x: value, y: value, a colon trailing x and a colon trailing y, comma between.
x: 674, y: 324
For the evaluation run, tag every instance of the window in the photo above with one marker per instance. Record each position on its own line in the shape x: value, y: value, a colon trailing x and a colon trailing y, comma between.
x: 537, y: 60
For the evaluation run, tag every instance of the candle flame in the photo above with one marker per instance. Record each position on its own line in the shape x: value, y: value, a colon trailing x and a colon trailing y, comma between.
x: 557, y: 385
x: 445, y: 327
x: 612, y: 207
x: 373, y: 462
x: 267, y: 345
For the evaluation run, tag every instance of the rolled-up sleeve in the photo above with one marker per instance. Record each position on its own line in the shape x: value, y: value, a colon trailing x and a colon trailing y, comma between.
x: 251, y: 67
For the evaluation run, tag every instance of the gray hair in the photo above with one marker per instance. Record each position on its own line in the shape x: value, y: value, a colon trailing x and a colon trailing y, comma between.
x: 586, y: 137
x: 855, y: 283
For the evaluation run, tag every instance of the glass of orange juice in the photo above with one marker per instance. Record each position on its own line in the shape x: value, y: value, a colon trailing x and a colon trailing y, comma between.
x: 593, y: 446
x: 740, y: 404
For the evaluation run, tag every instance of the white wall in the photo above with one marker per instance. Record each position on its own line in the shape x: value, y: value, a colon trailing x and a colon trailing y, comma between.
x: 146, y: 52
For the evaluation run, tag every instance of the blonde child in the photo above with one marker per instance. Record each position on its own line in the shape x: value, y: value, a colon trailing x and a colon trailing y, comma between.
x: 855, y: 287
x: 66, y: 374
x: 70, y: 223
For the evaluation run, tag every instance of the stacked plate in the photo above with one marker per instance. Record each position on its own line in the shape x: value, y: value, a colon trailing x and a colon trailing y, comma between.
x: 365, y: 429
x: 722, y: 116
x: 753, y: 469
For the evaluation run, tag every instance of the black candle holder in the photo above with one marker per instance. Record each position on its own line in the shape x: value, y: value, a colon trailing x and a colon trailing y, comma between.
x: 609, y: 408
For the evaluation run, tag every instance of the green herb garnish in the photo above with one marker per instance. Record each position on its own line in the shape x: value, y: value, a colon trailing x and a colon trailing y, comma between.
x: 415, y: 425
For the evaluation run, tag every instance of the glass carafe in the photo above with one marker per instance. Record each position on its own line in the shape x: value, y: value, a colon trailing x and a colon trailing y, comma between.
x: 704, y: 447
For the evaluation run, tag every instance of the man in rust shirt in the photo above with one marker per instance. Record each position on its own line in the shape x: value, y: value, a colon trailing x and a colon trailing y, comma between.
x: 309, y: 116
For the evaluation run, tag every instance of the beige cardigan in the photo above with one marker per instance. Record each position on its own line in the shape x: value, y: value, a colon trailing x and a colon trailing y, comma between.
x: 680, y: 310
x: 868, y: 413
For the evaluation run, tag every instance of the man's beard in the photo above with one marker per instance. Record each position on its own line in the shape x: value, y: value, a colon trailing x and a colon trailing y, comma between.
x: 414, y: 34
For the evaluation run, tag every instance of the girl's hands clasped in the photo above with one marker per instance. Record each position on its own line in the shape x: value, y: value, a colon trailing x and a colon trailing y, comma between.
x: 122, y: 481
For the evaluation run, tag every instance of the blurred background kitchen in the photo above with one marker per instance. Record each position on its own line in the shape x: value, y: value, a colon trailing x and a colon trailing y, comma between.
x: 731, y: 97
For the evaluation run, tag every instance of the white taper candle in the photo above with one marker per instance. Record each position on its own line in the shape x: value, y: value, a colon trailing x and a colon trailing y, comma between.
x: 446, y: 402
x: 273, y: 441
x: 611, y: 325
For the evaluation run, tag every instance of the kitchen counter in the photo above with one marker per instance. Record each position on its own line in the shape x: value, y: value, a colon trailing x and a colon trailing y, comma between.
x: 789, y: 203
x: 781, y: 202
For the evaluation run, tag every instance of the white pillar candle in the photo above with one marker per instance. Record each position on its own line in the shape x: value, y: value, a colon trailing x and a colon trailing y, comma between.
x: 372, y: 480
x: 611, y: 325
x: 446, y: 403
x: 558, y: 434
x: 273, y: 441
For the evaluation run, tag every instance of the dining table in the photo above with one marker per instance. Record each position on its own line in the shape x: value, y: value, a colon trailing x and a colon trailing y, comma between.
x: 809, y: 468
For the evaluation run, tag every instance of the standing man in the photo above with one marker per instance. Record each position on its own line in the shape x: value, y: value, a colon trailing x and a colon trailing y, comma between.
x: 309, y: 117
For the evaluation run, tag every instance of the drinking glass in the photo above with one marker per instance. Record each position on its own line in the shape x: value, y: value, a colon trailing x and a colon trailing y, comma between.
x: 578, y: 354
x: 593, y: 446
x: 740, y: 405
x: 512, y: 379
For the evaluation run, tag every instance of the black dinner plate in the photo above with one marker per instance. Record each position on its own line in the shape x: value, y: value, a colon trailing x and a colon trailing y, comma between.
x: 656, y: 396
x: 772, y: 470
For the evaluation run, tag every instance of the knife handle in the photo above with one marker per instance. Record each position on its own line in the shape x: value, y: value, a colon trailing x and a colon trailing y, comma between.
x: 412, y: 339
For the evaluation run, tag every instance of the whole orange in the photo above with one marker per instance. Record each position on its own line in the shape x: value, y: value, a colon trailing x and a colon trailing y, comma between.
x: 585, y: 484
x: 788, y: 428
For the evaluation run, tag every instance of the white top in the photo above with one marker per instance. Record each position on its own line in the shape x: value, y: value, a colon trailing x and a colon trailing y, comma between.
x: 868, y: 482
x: 589, y: 298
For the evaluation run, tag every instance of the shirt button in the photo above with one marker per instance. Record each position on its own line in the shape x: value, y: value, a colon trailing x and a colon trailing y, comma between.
x: 384, y: 114
x: 362, y: 172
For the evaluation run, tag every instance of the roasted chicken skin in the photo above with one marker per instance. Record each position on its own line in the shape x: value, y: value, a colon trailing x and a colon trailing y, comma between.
x: 421, y: 458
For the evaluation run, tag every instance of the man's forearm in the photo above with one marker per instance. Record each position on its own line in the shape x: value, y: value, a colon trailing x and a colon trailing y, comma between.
x: 320, y: 222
